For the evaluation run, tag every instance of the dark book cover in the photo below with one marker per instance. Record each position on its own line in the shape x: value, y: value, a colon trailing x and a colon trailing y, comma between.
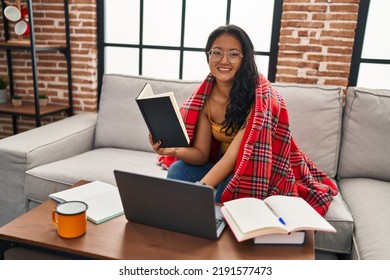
x: 162, y: 121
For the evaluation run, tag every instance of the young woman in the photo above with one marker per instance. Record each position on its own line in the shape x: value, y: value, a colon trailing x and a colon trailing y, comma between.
x: 239, y: 130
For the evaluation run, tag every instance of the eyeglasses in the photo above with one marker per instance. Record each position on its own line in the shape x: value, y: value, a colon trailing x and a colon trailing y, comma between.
x: 232, y: 56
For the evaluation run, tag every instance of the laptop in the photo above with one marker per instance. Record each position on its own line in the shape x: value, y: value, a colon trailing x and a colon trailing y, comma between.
x: 170, y: 204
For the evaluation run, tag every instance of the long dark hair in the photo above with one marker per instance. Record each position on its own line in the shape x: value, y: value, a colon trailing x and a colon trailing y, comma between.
x: 242, y: 94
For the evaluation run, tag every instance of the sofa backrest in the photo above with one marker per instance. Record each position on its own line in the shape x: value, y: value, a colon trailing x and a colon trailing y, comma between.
x: 365, y: 149
x: 315, y: 113
x: 120, y: 123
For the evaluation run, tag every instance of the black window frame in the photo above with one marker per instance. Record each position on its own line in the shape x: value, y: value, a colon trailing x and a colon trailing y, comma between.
x: 357, y: 58
x: 101, y: 44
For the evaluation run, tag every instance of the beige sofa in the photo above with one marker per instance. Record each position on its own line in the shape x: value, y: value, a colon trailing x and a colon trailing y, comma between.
x: 348, y: 142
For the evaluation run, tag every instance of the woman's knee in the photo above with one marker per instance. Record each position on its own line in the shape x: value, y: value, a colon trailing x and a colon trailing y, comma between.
x: 177, y: 170
x: 180, y: 170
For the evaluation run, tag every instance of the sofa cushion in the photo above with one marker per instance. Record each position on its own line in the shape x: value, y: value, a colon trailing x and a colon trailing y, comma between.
x: 315, y: 113
x: 366, y: 132
x: 340, y: 217
x: 120, y: 123
x: 368, y: 200
x: 97, y: 164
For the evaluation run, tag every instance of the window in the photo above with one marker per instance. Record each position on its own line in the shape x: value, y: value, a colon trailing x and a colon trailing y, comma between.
x: 166, y: 39
x: 371, y: 56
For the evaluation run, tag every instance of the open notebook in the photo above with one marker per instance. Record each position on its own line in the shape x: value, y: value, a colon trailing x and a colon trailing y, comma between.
x: 103, y: 200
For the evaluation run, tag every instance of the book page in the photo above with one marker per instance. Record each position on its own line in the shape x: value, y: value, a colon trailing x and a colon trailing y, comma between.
x: 169, y: 94
x: 298, y: 214
x: 146, y: 92
x: 103, y: 200
x: 84, y: 192
x: 103, y: 208
x: 294, y: 238
x: 251, y: 214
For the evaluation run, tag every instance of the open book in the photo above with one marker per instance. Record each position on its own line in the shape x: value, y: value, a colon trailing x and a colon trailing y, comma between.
x: 162, y: 116
x: 104, y: 202
x: 252, y: 217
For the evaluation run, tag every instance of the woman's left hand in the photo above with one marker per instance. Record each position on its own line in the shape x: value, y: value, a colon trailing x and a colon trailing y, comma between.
x: 158, y: 150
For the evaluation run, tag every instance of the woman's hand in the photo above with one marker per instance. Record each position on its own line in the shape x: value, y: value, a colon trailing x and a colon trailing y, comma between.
x: 199, y: 152
x: 158, y: 150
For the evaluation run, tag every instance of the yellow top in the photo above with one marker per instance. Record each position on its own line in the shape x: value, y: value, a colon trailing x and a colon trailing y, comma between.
x: 218, y: 134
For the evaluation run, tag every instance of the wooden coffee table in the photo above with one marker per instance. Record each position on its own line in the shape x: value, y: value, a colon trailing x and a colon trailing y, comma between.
x: 120, y: 239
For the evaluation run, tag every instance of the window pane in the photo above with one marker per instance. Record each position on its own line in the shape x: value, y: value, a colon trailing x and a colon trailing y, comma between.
x: 197, y: 28
x: 376, y: 41
x: 162, y: 22
x: 195, y: 66
x: 161, y: 64
x: 262, y: 63
x: 374, y: 76
x: 121, y: 21
x: 121, y: 61
x: 256, y: 20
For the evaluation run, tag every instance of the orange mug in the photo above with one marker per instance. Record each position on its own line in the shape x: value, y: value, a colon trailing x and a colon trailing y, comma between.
x: 70, y: 218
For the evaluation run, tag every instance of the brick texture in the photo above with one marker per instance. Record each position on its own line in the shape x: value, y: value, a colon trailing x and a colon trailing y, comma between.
x: 316, y: 40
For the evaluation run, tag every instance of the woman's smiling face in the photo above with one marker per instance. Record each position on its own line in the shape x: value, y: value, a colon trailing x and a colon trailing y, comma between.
x: 224, y: 71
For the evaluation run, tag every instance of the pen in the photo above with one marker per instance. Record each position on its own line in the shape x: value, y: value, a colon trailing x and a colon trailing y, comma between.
x: 273, y: 212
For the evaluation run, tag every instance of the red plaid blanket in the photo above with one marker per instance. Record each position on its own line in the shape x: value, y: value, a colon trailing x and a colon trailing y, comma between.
x: 269, y: 161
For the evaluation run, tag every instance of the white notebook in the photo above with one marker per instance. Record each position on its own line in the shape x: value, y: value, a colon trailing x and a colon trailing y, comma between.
x: 104, y: 202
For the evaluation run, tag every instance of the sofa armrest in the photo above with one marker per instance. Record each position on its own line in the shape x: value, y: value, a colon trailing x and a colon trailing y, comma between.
x: 35, y: 147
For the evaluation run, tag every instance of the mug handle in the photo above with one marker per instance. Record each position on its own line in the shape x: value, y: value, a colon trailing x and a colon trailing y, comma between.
x: 53, y: 217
